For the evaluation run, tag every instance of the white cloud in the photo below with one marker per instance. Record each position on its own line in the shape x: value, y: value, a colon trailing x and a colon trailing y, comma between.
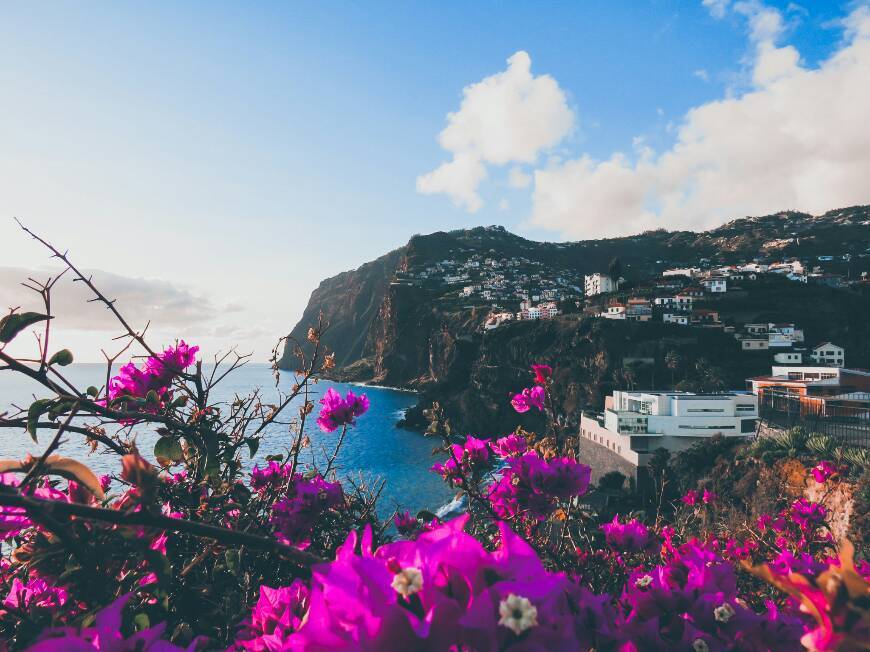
x: 717, y: 8
x: 701, y: 74
x: 139, y: 300
x: 509, y: 117
x: 796, y: 139
x: 504, y: 205
x: 519, y: 179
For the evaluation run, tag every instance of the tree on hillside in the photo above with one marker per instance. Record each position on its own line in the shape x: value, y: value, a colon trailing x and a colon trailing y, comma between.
x: 672, y: 362
x: 614, y: 270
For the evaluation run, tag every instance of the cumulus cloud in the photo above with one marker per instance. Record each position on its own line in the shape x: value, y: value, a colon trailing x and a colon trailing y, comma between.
x: 519, y: 179
x: 701, y: 74
x: 795, y: 138
x: 139, y: 300
x: 717, y: 8
x: 509, y: 117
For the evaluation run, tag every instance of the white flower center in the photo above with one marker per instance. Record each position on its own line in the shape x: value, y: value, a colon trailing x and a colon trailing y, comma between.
x: 517, y: 614
x: 408, y: 581
x: 643, y: 582
x: 700, y: 645
x: 723, y: 613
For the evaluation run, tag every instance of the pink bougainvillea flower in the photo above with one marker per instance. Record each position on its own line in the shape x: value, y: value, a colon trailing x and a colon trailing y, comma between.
x: 531, y: 484
x: 708, y: 497
x: 338, y: 411
x: 272, y: 476
x: 173, y: 361
x: 510, y: 446
x: 529, y: 398
x: 277, y: 614
x: 444, y: 591
x: 823, y: 471
x: 106, y: 636
x: 542, y: 373
x: 308, y: 499
x: 631, y: 536
x: 807, y: 514
x: 35, y: 593
x: 406, y: 525
x: 473, y: 456
x: 691, y: 498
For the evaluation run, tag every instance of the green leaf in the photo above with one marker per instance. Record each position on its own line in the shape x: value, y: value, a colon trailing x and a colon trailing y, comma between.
x: 152, y: 397
x: 141, y: 622
x: 168, y: 449
x: 253, y: 446
x: 13, y: 324
x: 274, y: 458
x: 36, y: 410
x: 92, y: 391
x: 62, y: 358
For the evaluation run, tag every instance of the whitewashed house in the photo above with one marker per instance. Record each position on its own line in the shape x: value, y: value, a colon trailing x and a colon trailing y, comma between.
x: 828, y: 354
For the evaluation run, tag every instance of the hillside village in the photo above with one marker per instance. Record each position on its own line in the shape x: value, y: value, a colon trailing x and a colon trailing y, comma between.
x: 517, y: 288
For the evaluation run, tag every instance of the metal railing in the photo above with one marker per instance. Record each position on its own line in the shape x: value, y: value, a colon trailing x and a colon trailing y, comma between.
x: 845, y: 417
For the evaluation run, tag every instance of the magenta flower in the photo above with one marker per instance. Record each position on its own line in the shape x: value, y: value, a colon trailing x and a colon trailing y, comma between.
x: 542, y: 373
x: 277, y: 614
x: 471, y: 457
x: 807, y: 515
x: 823, y: 471
x: 406, y: 525
x: 36, y: 593
x: 273, y: 476
x: 510, y: 446
x: 529, y: 398
x: 307, y: 500
x: 105, y: 635
x: 445, y: 591
x: 632, y: 536
x: 338, y: 411
x: 691, y: 498
x: 172, y: 362
x: 708, y: 497
x: 531, y: 485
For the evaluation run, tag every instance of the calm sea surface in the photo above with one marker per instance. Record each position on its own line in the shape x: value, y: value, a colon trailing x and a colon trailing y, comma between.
x: 375, y: 448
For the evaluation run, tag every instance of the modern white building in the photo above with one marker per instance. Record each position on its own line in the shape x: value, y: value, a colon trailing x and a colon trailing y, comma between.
x: 636, y: 424
x: 828, y: 353
x: 598, y: 284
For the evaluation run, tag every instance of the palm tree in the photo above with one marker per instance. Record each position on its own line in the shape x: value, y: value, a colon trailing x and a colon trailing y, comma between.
x: 672, y: 362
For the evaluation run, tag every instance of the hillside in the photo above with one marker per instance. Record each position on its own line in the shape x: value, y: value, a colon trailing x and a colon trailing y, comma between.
x: 404, y: 320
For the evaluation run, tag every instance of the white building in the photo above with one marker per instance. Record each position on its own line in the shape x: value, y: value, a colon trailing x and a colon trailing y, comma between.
x: 829, y: 354
x: 673, y: 318
x: 788, y: 357
x: 598, y: 284
x: 691, y: 272
x: 715, y: 284
x: 635, y: 424
x: 614, y: 311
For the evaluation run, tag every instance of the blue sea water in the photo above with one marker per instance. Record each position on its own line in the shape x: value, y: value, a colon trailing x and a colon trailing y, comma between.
x: 373, y: 449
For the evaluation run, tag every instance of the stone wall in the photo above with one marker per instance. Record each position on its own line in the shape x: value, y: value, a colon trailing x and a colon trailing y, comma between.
x: 603, y: 460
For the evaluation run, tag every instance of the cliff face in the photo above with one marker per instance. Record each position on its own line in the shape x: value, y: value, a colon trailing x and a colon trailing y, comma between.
x: 350, y: 303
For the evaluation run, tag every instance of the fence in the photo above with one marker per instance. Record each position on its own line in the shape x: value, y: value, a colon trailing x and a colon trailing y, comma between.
x: 846, y: 417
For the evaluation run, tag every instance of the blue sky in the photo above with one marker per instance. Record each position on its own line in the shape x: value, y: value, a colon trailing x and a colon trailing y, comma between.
x: 243, y: 152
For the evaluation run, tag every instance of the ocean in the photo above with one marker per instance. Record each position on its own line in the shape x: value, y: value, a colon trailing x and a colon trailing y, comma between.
x: 374, y: 448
